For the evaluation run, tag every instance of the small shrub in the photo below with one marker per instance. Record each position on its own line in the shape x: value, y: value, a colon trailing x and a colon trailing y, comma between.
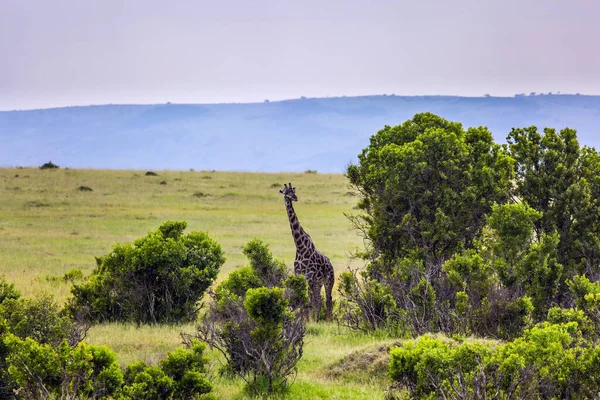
x: 7, y: 290
x: 84, y: 189
x: 199, y: 194
x: 151, y: 173
x: 73, y: 275
x: 49, y: 165
x: 179, y: 376
x: 206, y: 177
x: 275, y: 185
x: 163, y: 182
x: 310, y: 171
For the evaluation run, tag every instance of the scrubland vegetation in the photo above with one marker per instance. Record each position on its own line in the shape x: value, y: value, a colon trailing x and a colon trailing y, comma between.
x: 475, y: 276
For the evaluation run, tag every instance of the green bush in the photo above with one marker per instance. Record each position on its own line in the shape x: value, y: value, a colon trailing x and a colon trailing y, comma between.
x: 256, y: 320
x: 49, y: 165
x: 7, y: 290
x: 41, y: 319
x: 547, y: 361
x: 468, y: 236
x: 179, y: 376
x: 158, y: 279
x: 42, y: 355
x: 367, y: 305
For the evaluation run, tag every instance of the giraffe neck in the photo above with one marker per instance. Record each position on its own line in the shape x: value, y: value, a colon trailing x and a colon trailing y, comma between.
x: 297, y: 232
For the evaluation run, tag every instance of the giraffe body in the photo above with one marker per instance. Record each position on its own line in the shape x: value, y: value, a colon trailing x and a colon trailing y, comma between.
x: 310, y: 262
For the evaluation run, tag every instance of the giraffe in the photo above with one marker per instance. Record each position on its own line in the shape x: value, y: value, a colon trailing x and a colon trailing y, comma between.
x: 309, y: 262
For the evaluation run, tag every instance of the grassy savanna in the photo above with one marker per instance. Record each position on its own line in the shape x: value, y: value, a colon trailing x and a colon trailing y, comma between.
x: 49, y: 227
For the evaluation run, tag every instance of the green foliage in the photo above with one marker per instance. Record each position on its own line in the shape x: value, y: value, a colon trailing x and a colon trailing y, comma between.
x: 558, y: 315
x: 36, y: 364
x: 513, y: 225
x: 426, y: 186
x: 587, y: 299
x: 158, y: 279
x: 366, y: 305
x: 266, y: 306
x: 296, y: 291
x: 42, y: 370
x: 560, y: 180
x: 7, y: 384
x: 471, y: 237
x: 71, y: 276
x: 238, y: 282
x: 256, y: 320
x: 42, y: 320
x: 547, y: 361
x: 187, y: 368
x: 7, y: 290
x: 270, y: 271
x: 145, y: 382
x: 179, y: 376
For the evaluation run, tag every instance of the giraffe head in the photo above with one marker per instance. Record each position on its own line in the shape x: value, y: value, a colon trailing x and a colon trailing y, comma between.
x: 289, y: 192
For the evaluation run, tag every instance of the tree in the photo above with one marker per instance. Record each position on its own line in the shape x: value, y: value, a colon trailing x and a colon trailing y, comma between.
x: 559, y: 179
x: 158, y: 279
x: 426, y: 187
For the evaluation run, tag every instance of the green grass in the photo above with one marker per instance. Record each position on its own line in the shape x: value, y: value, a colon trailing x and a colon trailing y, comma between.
x: 49, y: 226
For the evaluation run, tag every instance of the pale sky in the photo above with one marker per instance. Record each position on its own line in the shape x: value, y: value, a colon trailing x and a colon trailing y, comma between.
x: 80, y: 52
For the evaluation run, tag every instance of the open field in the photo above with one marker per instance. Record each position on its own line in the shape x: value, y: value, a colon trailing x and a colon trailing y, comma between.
x: 48, y: 227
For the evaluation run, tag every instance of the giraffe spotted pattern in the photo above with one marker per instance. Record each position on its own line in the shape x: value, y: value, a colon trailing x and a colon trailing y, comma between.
x: 310, y: 262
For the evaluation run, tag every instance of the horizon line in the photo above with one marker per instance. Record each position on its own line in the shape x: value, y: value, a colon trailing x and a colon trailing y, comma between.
x: 485, y: 96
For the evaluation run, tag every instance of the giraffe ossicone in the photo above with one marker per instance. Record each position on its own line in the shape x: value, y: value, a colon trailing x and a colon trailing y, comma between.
x: 310, y: 262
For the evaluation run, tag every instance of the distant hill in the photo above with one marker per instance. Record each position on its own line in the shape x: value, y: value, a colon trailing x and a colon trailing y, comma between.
x: 322, y: 134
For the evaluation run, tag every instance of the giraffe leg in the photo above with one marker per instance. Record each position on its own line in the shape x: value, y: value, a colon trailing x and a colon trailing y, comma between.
x: 315, y: 300
x: 328, y: 297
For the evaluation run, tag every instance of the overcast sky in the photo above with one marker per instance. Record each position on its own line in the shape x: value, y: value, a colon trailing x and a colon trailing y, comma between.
x: 80, y: 52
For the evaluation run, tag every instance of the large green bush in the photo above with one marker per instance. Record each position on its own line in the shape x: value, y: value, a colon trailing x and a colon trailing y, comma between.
x: 549, y: 361
x: 158, y: 279
x: 467, y: 236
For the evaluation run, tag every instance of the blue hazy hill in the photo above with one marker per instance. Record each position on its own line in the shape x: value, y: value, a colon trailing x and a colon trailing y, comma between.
x: 322, y: 134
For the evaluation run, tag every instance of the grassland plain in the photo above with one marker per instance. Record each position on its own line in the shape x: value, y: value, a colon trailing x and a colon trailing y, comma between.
x: 50, y: 224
